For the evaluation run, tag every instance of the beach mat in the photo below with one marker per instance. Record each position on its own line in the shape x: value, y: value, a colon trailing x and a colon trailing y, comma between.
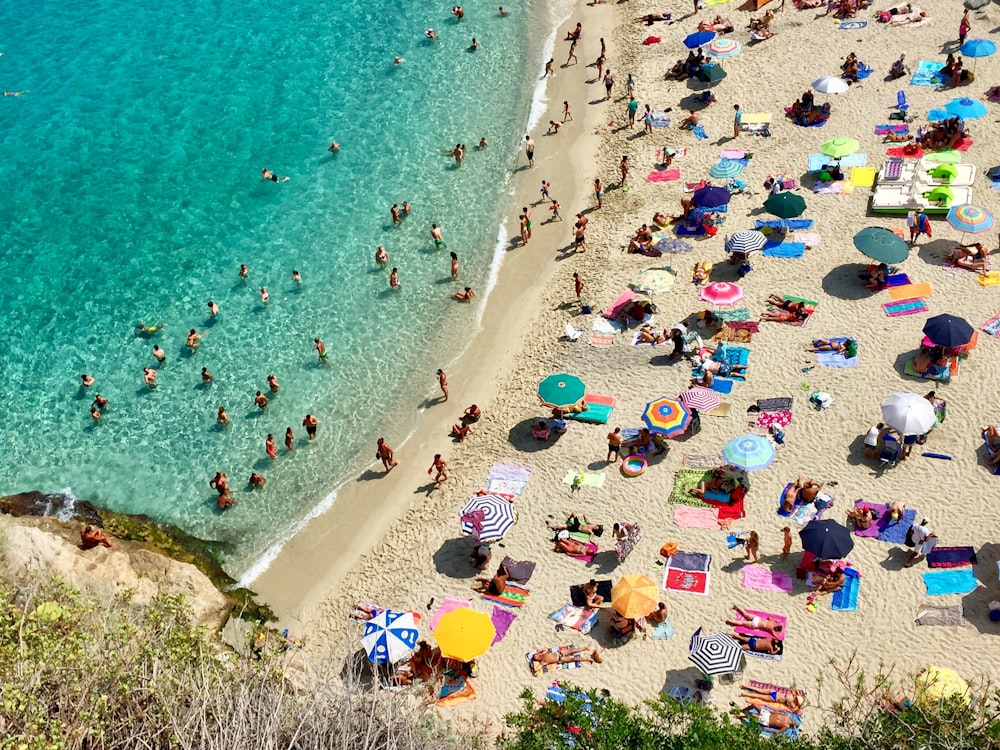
x: 836, y: 359
x: 663, y: 630
x: 448, y: 604
x: 583, y: 479
x: 927, y: 74
x: 684, y: 481
x: 904, y: 307
x: 514, y: 595
x: 578, y: 599
x: 722, y: 385
x: 897, y: 279
x: 689, y: 517
x: 577, y: 618
x: 910, y: 291
x: 502, y: 620
x: 664, y: 175
x: 784, y: 250
x: 852, y: 25
x: 585, y: 540
x: 520, y: 570
x: 602, y: 340
x: 768, y: 419
x: 943, y: 582
x: 872, y: 531
x: 762, y: 579
x: 846, y: 600
x: 687, y: 572
x: 894, y: 532
x: 951, y: 557
x: 779, y: 403
x: 454, y: 690
x: 928, y: 614
x: 992, y: 326
x: 722, y: 410
x: 863, y: 176
x: 539, y: 669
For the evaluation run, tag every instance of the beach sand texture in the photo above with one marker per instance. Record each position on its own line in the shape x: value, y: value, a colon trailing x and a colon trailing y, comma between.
x: 423, y: 555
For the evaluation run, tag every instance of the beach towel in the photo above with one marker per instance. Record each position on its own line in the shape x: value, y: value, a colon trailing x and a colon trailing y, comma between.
x: 722, y: 410
x: 838, y: 187
x: 662, y: 631
x: 942, y: 582
x: 690, y: 187
x: 579, y: 599
x: 594, y: 414
x: 951, y: 557
x: 684, y: 481
x: 897, y: 279
x: 577, y: 618
x: 900, y: 151
x: 784, y: 224
x: 990, y: 278
x: 856, y: 159
x: 665, y: 175
x: 809, y: 239
x: 928, y: 614
x: 836, y: 359
x: 699, y: 133
x: 910, y: 291
x: 620, y: 303
x: 729, y: 510
x: 540, y: 669
x: 659, y: 120
x: 851, y: 25
x: 514, y: 595
x: 927, y: 74
x: 454, y: 690
x: 735, y: 315
x: 992, y: 326
x: 682, y: 230
x: 863, y: 176
x: 768, y: 419
x: 702, y: 461
x: 448, y: 604
x: 804, y: 513
x: 735, y: 153
x: 880, y: 509
x: 733, y: 335
x: 687, y: 572
x: 688, y: 517
x: 505, y: 487
x: 502, y: 620
x: 784, y: 250
x: 511, y: 472
x: 520, y: 571
x: 780, y: 635
x: 942, y: 375
x: 579, y: 478
x: 585, y: 540
x: 904, y: 307
x: 602, y: 340
x: 846, y: 600
x: 894, y: 532
x: 762, y: 579
x: 779, y: 403
x: 898, y: 128
x: 722, y: 385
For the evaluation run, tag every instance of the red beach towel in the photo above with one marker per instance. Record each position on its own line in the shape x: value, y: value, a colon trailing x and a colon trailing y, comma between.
x: 665, y: 175
x: 651, y: 40
x: 901, y: 151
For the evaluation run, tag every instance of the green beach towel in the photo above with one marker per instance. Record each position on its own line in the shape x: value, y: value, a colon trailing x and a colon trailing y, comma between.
x: 686, y: 480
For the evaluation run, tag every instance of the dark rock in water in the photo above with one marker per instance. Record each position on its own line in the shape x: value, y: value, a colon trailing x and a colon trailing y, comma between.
x: 64, y: 507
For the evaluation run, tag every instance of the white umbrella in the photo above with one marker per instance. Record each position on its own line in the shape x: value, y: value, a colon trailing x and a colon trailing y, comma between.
x: 908, y: 413
x: 830, y: 85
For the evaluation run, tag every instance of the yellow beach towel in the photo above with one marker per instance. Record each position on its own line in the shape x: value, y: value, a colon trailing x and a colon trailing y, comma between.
x: 910, y: 291
x: 990, y: 278
x: 863, y: 176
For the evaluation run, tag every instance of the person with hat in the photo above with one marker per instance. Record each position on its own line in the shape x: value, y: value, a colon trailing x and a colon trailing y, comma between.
x: 923, y: 541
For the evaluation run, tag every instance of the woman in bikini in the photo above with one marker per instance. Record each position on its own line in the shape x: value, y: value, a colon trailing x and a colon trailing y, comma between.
x: 571, y: 656
x: 755, y: 622
x: 787, y: 696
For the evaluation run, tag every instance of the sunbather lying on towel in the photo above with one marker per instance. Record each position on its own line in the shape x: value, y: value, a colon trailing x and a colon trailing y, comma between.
x: 789, y: 697
x: 650, y: 18
x: 782, y: 303
x: 649, y: 335
x: 495, y: 585
x: 722, y: 368
x: 570, y: 546
x: 755, y: 622
x: 847, y: 347
x: 974, y: 260
x: 719, y: 482
x: 364, y: 612
x: 718, y: 24
x: 701, y: 272
x: 803, y: 491
x: 759, y: 645
x: 579, y: 523
x: 572, y: 656
x: 863, y: 517
x: 769, y: 719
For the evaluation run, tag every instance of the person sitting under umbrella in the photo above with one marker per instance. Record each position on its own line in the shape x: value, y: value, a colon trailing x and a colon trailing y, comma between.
x: 876, y: 277
x: 719, y: 482
x: 974, y: 261
x: 931, y: 361
x: 827, y: 584
x: 648, y: 335
x: 758, y: 644
x: 676, y: 73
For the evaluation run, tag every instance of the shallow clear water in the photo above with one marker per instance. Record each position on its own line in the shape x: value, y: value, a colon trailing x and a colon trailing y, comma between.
x: 132, y: 192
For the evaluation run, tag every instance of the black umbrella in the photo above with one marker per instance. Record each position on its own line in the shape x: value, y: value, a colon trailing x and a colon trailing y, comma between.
x: 949, y: 331
x: 828, y: 540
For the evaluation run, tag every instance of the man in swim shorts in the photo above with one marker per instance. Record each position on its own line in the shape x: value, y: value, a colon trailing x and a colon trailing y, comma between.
x: 320, y: 348
x: 310, y: 424
x: 385, y: 455
x: 529, y: 150
x: 437, y: 236
x: 570, y: 656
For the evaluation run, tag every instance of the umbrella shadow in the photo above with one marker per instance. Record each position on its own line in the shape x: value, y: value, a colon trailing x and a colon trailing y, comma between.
x: 933, y: 253
x: 975, y: 604
x: 521, y: 438
x: 452, y: 558
x: 680, y: 677
x: 899, y: 365
x: 842, y: 282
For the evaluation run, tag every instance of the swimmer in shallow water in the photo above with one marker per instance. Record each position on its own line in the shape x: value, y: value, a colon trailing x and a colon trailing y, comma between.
x: 398, y: 60
x: 334, y: 147
x: 466, y: 295
x: 381, y: 257
x: 267, y: 174
x: 394, y: 279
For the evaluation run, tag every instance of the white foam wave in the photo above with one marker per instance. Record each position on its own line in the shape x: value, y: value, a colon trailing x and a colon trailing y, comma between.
x: 499, y: 250
x: 558, y: 13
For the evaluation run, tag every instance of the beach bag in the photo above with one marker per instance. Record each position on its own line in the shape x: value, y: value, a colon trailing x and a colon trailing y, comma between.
x: 909, y: 538
x: 669, y: 549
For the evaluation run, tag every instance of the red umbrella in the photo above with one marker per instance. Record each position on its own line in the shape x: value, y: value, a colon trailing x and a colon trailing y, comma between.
x: 721, y: 293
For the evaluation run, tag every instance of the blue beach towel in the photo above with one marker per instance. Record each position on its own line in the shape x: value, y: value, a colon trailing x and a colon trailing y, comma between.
x: 784, y: 250
x: 722, y: 385
x: 846, y: 600
x: 855, y: 160
x: 836, y: 359
x: 685, y: 231
x: 848, y: 25
x: 699, y: 133
x: 791, y: 224
x: 927, y: 74
x: 895, y: 531
x: 957, y: 581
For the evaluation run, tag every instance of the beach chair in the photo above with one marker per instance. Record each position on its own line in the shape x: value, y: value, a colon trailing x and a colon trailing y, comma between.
x: 890, y: 451
x: 572, y: 333
x: 901, y: 103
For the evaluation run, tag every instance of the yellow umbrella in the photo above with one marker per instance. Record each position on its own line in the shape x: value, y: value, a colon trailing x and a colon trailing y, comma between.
x: 635, y: 596
x: 939, y: 683
x: 464, y: 634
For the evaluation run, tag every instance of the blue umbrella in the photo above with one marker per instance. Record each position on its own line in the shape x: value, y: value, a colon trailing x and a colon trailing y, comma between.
x: 726, y: 168
x: 978, y: 48
x: 711, y: 196
x: 698, y: 39
x: 389, y: 636
x: 749, y: 452
x: 967, y: 109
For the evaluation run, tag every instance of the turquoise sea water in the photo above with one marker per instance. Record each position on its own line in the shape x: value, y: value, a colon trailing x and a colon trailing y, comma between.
x: 132, y: 192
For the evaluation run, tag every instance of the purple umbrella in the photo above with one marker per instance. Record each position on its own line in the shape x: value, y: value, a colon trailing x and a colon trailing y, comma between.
x: 711, y: 196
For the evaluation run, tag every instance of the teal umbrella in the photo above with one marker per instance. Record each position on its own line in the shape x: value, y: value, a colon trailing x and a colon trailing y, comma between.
x: 881, y: 245
x: 561, y: 391
x: 785, y: 205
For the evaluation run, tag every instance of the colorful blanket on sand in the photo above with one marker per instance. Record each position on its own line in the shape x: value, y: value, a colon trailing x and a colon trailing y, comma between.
x: 687, y: 572
x: 502, y: 619
x: 951, y: 557
x: 577, y: 618
x: 540, y: 669
x: 514, y: 595
x: 686, y: 480
x: 762, y: 579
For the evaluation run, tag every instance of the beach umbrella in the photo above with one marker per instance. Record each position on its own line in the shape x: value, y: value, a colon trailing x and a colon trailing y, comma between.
x: 486, y: 518
x: 654, y: 280
x: 977, y: 48
x: 716, y: 654
x: 967, y: 109
x: 561, y: 391
x: 939, y: 684
x: 970, y: 219
x: 881, y: 245
x: 723, y: 47
x: 389, y: 636
x: 711, y: 73
x: 828, y: 540
x: 721, y: 293
x: 840, y: 147
x: 702, y: 399
x: 667, y: 416
x: 666, y: 243
x: 726, y: 168
x: 745, y: 241
x: 830, y: 85
x: 975, y: 4
x: 908, y: 413
x: 635, y: 596
x: 698, y: 39
x: 785, y: 205
x: 711, y: 196
x: 749, y: 452
x: 464, y: 634
x: 949, y: 331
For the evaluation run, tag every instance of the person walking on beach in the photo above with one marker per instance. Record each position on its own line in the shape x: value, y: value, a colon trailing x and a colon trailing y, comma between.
x: 529, y: 150
x: 545, y: 191
x: 567, y: 112
x: 647, y: 120
x: 577, y: 285
x: 385, y: 454
x: 599, y: 63
x: 572, y: 53
x: 443, y: 382
x: 554, y: 208
x: 629, y: 85
x: 598, y: 192
x: 437, y: 236
x: 320, y: 349
x: 270, y: 447
x: 633, y: 107
x: 523, y: 223
x: 310, y: 424
x: 440, y: 467
x: 527, y: 220
x: 623, y: 168
x: 579, y: 238
x: 609, y: 83
x: 964, y: 27
x: 548, y: 69
x: 604, y: 47
x: 454, y: 266
x: 737, y: 121
x: 289, y: 439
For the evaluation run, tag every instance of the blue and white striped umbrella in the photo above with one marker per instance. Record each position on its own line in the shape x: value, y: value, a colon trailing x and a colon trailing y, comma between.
x: 749, y: 452
x: 486, y: 518
x: 389, y: 637
x: 746, y: 241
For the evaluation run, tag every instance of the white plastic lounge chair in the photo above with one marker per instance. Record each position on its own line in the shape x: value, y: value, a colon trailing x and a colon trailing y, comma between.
x: 572, y: 333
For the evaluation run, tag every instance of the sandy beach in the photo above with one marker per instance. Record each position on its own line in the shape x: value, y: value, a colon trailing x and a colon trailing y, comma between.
x: 395, y: 540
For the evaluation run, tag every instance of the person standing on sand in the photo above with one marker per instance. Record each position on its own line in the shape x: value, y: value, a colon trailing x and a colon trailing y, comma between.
x: 579, y: 238
x: 614, y: 446
x: 737, y: 121
x: 443, y: 382
x: 599, y: 64
x: 527, y: 220
x: 572, y: 53
x: 523, y: 222
x: 577, y: 285
x: 633, y: 107
x: 440, y: 466
x: 529, y: 150
x: 598, y: 192
x: 623, y: 168
x: 609, y: 83
x: 567, y: 112
x: 964, y: 27
x: 310, y: 423
x: 385, y: 454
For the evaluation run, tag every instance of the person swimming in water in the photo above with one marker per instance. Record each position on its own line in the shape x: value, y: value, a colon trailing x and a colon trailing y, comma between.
x: 466, y: 295
x: 381, y: 257
x: 267, y: 174
x: 320, y: 348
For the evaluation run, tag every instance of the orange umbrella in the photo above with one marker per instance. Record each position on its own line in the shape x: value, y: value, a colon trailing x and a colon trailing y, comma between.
x: 464, y: 634
x: 635, y: 596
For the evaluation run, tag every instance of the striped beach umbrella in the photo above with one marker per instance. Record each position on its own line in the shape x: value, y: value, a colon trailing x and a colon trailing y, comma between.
x: 389, y: 636
x: 746, y: 241
x: 702, y: 399
x: 721, y: 293
x: 724, y: 47
x: 666, y: 416
x: 971, y: 219
x: 716, y: 654
x: 635, y: 596
x: 726, y: 168
x: 561, y: 391
x: 749, y: 452
x: 486, y: 518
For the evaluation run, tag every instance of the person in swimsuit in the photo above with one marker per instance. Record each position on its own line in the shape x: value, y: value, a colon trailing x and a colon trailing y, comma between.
x: 289, y: 439
x: 454, y: 266
x: 437, y: 236
x: 320, y: 348
x: 385, y: 454
x: 584, y: 526
x: 590, y: 595
x: 787, y: 696
x: 213, y: 309
x: 769, y: 719
x: 546, y: 656
x: 394, y: 278
x: 270, y: 447
x: 206, y: 376
x: 440, y: 466
x: 149, y: 375
x: 614, y: 445
x: 527, y: 220
x: 443, y: 383
x: 758, y: 644
x: 598, y: 192
x: 100, y: 402
x: 466, y: 295
x: 222, y: 417
x: 755, y: 622
x: 260, y: 401
x: 310, y: 422
x: 529, y: 150
x: 381, y: 257
x: 609, y: 82
x: 257, y: 481
x: 273, y: 384
x: 91, y: 536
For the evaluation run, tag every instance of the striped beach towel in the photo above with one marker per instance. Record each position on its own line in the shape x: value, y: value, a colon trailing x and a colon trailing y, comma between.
x: 514, y: 595
x: 904, y: 307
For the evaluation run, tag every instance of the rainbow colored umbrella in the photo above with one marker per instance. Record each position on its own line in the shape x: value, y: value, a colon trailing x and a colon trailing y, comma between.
x: 667, y: 416
x: 971, y: 219
x: 721, y: 293
x: 723, y: 47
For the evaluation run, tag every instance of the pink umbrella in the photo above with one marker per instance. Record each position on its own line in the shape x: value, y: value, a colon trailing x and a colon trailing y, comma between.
x: 721, y: 293
x: 699, y: 398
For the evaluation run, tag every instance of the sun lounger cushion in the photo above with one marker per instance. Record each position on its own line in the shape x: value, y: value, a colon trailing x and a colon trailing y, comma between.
x: 595, y: 414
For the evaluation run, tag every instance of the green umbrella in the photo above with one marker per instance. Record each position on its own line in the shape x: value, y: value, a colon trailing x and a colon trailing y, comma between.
x: 785, y: 205
x: 561, y: 391
x: 840, y: 147
x: 881, y: 244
